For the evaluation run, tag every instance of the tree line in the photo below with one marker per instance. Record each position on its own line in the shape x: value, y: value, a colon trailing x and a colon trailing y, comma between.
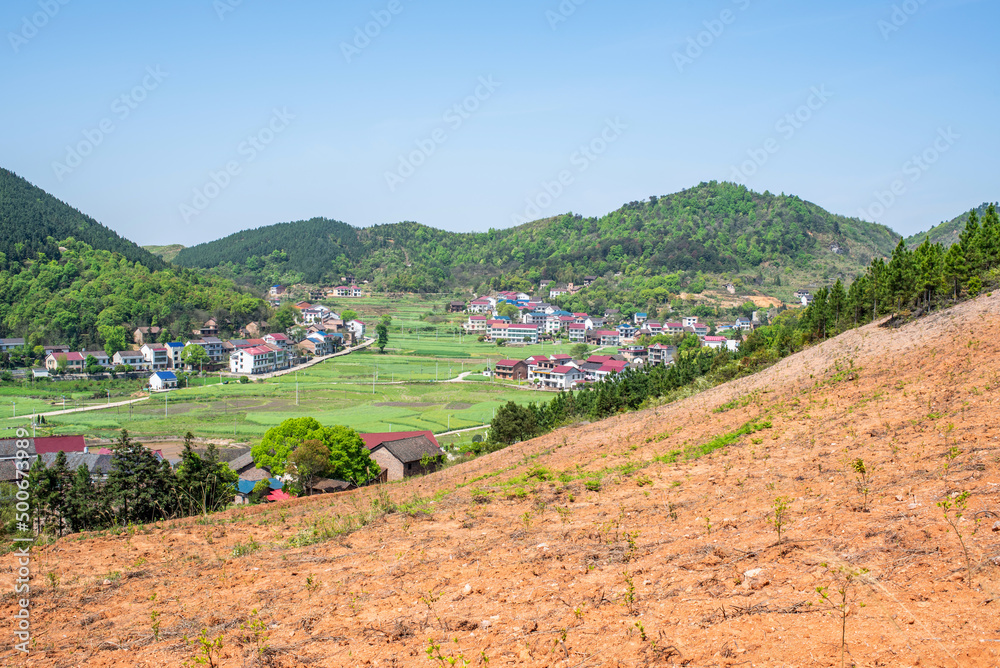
x: 919, y: 280
x: 139, y: 488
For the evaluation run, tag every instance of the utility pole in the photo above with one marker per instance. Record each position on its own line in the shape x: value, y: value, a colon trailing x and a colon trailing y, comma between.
x: 166, y: 401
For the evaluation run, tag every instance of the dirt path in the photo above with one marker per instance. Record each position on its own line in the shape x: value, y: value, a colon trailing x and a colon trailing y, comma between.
x: 99, y: 407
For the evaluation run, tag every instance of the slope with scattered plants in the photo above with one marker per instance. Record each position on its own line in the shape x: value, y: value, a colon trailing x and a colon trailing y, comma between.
x: 839, y: 508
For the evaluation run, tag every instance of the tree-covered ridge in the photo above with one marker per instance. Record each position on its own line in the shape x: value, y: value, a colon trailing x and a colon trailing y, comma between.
x: 923, y: 279
x: 81, y: 295
x: 33, y: 221
x: 946, y: 233
x: 713, y: 227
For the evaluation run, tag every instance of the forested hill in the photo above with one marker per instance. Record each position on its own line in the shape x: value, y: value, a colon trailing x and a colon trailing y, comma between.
x: 714, y: 227
x: 65, y: 278
x: 947, y: 233
x: 33, y: 221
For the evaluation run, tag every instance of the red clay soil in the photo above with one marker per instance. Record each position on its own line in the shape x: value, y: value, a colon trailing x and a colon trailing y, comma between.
x: 581, y: 549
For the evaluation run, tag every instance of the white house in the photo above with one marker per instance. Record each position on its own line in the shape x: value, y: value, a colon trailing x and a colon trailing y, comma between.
x: 475, y: 325
x: 565, y: 377
x: 156, y: 356
x: 163, y: 380
x: 357, y: 328
x: 715, y: 342
x: 132, y: 358
x: 174, y: 350
x: 258, y: 359
x: 690, y: 321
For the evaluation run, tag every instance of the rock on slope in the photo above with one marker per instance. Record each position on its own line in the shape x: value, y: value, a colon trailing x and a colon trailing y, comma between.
x: 590, y: 547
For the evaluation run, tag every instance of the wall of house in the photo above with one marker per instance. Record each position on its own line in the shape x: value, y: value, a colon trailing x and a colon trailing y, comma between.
x: 385, y: 460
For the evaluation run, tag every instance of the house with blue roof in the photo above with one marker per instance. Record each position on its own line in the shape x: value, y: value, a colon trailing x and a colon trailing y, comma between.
x: 163, y: 380
x: 174, y: 350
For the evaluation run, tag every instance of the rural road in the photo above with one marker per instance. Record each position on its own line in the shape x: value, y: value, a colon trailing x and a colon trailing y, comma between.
x: 98, y: 407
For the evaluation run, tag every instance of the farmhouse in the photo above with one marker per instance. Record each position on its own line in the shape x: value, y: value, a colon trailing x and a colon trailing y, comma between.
x: 163, y: 380
x: 403, y: 454
x: 72, y: 362
x: 661, y: 354
x: 259, y: 359
x: 347, y: 291
x: 476, y: 324
x: 577, y: 332
x: 511, y: 370
x: 565, y: 378
x: 143, y: 335
x: 155, y: 356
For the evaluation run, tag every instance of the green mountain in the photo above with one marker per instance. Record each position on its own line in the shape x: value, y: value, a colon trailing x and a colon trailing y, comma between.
x: 65, y: 278
x: 33, y: 221
x: 945, y: 233
x: 166, y: 253
x: 713, y: 228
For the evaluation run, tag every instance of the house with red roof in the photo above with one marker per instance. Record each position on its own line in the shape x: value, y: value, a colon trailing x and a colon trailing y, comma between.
x: 511, y: 370
x: 253, y: 360
x: 715, y: 342
x: 476, y: 324
x: 47, y: 444
x: 661, y: 354
x: 604, y: 337
x: 72, y: 362
x: 565, y: 377
x: 609, y: 369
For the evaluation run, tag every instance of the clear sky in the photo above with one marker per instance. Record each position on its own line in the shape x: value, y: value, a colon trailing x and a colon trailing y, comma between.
x: 184, y: 121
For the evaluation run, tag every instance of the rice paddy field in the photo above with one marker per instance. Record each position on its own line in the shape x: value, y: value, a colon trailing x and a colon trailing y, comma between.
x: 405, y: 389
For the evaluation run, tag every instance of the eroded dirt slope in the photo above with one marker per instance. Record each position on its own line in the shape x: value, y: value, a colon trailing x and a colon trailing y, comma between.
x: 591, y: 547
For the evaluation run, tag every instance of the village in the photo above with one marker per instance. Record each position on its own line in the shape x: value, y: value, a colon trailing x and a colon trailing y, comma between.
x: 504, y: 318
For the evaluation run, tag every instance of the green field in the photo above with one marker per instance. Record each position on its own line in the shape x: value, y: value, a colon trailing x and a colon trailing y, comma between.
x: 409, y: 393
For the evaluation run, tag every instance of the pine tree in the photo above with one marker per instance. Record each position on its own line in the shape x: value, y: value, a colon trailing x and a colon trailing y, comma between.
x: 140, y: 487
x: 838, y: 301
x: 956, y: 269
x: 988, y: 240
x: 969, y: 242
x: 901, y: 276
x: 83, y: 501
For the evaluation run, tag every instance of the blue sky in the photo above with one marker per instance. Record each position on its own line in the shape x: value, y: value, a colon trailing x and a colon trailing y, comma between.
x: 185, y: 121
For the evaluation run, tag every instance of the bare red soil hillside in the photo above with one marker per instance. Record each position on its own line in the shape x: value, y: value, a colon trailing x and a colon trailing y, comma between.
x: 592, y: 547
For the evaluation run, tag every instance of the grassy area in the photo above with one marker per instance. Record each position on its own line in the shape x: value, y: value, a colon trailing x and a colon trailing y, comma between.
x: 409, y: 392
x: 340, y: 391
